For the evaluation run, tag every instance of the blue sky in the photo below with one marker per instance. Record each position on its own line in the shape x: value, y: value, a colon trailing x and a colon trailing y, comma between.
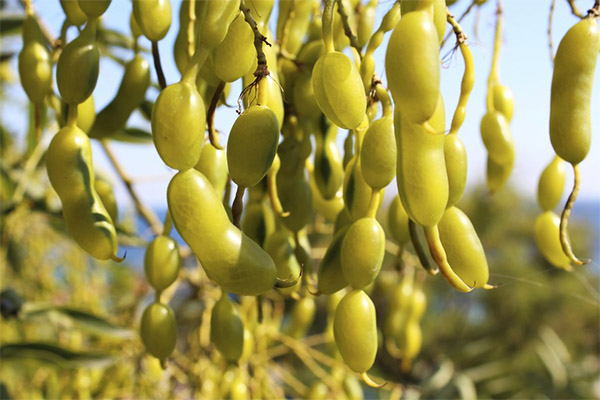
x: 525, y: 68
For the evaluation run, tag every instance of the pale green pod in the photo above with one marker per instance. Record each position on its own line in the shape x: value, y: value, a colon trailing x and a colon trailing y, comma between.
x: 552, y: 184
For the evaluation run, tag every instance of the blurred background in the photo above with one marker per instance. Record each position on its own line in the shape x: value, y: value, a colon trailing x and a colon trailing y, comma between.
x: 68, y: 327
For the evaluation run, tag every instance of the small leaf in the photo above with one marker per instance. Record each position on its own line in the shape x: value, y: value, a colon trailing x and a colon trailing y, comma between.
x: 133, y: 135
x: 146, y: 109
x: 10, y: 24
x: 54, y: 354
x: 90, y: 322
x: 110, y: 37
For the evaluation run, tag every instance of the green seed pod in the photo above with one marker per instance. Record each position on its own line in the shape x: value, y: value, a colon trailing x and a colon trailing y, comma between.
x: 362, y: 252
x: 296, y: 199
x: 497, y: 174
x: 178, y: 125
x: 78, y: 67
x: 455, y: 155
x: 158, y: 330
x: 318, y: 391
x: 378, y: 153
x: 229, y: 257
x: 357, y: 194
x: 235, y: 56
x: 330, y: 276
x: 327, y: 208
x: 570, y: 109
x: 338, y: 90
x: 497, y: 138
x: 252, y: 145
x: 439, y: 13
x: 301, y: 317
x: 258, y: 222
x: 366, y: 21
x: 463, y: 248
x: 552, y: 184
x: 227, y: 329
x: 504, y: 101
x: 94, y: 8
x: 213, y: 18
x: 107, y: 196
x: 86, y: 114
x: 355, y: 331
x: 153, y: 17
x: 412, y: 66
x: 213, y: 165
x: 398, y: 222
x: 131, y: 94
x: 162, y: 262
x: 547, y: 237
x: 35, y: 64
x: 328, y: 169
x: 73, y: 12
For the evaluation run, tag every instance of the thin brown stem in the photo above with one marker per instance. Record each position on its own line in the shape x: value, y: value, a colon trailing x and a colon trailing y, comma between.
x: 158, y: 66
x: 348, y: 29
x: 421, y: 254
x: 238, y: 206
x: 464, y: 14
x: 564, y: 219
x: 144, y: 211
x: 574, y: 10
x: 213, y: 135
x: 550, y: 42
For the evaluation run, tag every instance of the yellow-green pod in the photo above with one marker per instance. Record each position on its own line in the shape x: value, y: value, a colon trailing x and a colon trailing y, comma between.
x: 153, y: 17
x: 35, y: 63
x: 378, y: 153
x: 158, y: 330
x: 130, y: 95
x: 327, y: 208
x: 136, y: 32
x: 398, y: 221
x: 399, y: 311
x: 352, y: 388
x: 252, y: 145
x: 178, y: 125
x: 366, y: 20
x: 180, y: 47
x: 552, y: 184
x: 504, y: 101
x: 280, y: 246
x: 213, y: 165
x: 341, y: 41
x: 229, y: 257
x: 355, y: 331
x: 227, y: 329
x: 318, y: 391
x: 497, y: 174
x: 70, y: 169
x: 412, y: 343
x: 235, y: 56
x: 497, y: 138
x: 439, y: 13
x: 94, y: 8
x: 302, y: 316
x: 258, y: 222
x: 362, y: 252
x: 418, y: 305
x: 328, y: 170
x: 86, y: 114
x: 162, y: 262
x: 421, y: 170
x: 213, y: 18
x: 303, y: 96
x: 330, y: 276
x: 338, y: 89
x: 455, y: 155
x: 78, y: 66
x: 547, y: 237
x: 296, y: 199
x: 296, y: 26
x: 570, y: 98
x: 463, y: 248
x: 357, y: 193
x: 261, y: 11
x: 73, y: 12
x: 107, y: 196
x: 413, y: 67
x: 239, y: 390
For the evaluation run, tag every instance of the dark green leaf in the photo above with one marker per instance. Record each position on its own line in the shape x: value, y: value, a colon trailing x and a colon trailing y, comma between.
x: 54, y: 354
x: 146, y: 109
x: 133, y: 135
x: 110, y: 37
x: 10, y: 24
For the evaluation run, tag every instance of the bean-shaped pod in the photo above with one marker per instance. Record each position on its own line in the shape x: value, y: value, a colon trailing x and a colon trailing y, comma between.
x: 355, y: 331
x: 162, y: 262
x: 258, y: 222
x: 296, y: 199
x: 497, y: 174
x: 236, y: 54
x: 412, y: 66
x: 552, y: 184
x: 302, y: 316
x: 153, y: 17
x: 463, y: 248
x: 571, y: 92
x: 35, y: 64
x: 130, y: 96
x: 497, y: 137
x: 229, y: 257
x: 227, y: 329
x: 213, y: 18
x: 158, y: 330
x: 107, y: 196
x: 94, y: 8
x: 421, y: 168
x: 328, y: 208
x: 73, y: 12
x: 438, y: 11
x: 252, y: 145
x: 328, y: 169
x: 455, y: 155
x: 330, y: 276
x: 546, y: 233
x: 504, y: 101
x: 338, y: 89
x: 357, y: 193
x: 362, y: 252
x: 178, y: 125
x: 70, y: 169
x: 78, y: 66
x: 378, y: 153
x: 213, y: 165
x: 398, y: 222
x: 366, y: 21
x: 280, y: 246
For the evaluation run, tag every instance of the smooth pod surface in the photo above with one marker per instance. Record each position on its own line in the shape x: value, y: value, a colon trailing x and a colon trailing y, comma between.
x: 153, y: 17
x: 213, y: 165
x: 338, y: 90
x: 504, y: 101
x: 497, y: 138
x: 330, y: 276
x: 158, y: 330
x: 235, y: 56
x: 547, y: 238
x: 455, y: 155
x: 355, y: 331
x: 378, y: 153
x: 362, y: 252
x: 162, y: 262
x: 398, y: 221
x: 229, y: 257
x: 497, y: 174
x: 463, y: 248
x: 552, y: 184
x: 570, y: 99
x: 35, y: 64
x: 178, y: 124
x: 227, y: 329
